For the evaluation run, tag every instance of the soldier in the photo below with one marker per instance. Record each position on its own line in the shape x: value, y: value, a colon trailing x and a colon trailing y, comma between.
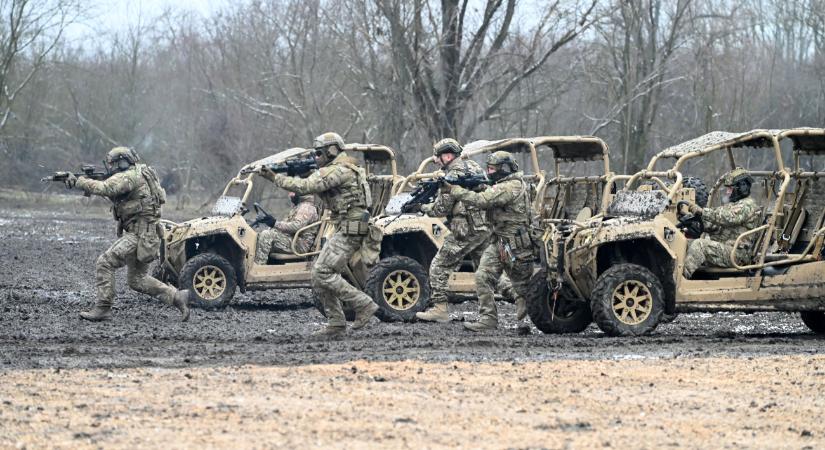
x: 137, y: 197
x: 738, y: 214
x: 469, y: 232
x: 342, y: 186
x: 510, y: 250
x: 279, y: 237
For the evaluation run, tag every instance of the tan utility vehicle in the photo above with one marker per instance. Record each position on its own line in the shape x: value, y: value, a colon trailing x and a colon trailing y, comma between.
x: 572, y: 192
x: 213, y: 256
x: 626, y: 264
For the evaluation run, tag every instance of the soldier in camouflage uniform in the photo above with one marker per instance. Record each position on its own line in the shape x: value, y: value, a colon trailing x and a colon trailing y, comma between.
x: 137, y: 197
x: 469, y: 233
x: 723, y: 225
x: 510, y: 251
x: 342, y: 185
x: 279, y: 238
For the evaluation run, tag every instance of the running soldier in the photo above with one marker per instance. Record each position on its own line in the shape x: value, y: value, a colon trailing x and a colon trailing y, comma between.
x: 279, y: 238
x: 342, y: 186
x: 738, y: 214
x: 510, y: 250
x: 137, y: 198
x: 469, y: 232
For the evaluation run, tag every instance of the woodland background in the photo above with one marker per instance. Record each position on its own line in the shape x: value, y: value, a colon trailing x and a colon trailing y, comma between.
x: 200, y: 96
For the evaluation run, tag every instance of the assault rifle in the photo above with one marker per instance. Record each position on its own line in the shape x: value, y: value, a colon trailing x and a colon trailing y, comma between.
x: 88, y: 171
x: 426, y: 190
x: 291, y: 167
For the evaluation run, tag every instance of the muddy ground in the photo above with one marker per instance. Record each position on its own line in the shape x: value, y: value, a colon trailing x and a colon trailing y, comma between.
x: 47, y: 262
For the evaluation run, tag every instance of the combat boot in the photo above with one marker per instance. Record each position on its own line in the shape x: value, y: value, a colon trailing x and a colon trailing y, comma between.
x: 363, y: 315
x: 521, y: 309
x: 435, y: 313
x: 329, y: 333
x: 181, y: 302
x: 97, y: 314
x: 482, y: 325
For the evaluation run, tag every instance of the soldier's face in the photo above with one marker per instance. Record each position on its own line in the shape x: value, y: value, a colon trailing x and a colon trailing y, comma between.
x: 446, y: 158
x: 726, y: 193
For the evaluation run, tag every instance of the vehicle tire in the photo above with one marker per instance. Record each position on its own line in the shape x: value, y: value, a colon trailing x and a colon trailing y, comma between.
x: 400, y: 286
x: 211, y: 278
x: 349, y: 313
x: 568, y: 316
x: 815, y: 320
x: 618, y: 315
x: 699, y: 186
x: 668, y: 318
x: 163, y: 275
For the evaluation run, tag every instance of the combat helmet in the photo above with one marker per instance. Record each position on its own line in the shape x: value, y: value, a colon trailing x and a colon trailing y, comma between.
x: 121, y: 158
x: 326, y: 142
x: 447, y: 145
x: 504, y: 164
x: 740, y: 180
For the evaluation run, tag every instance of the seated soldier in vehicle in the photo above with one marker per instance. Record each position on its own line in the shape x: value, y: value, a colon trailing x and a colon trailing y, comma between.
x: 278, y: 239
x: 723, y: 225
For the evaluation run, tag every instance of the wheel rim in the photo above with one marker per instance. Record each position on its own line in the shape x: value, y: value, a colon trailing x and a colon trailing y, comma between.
x: 632, y: 302
x: 209, y: 282
x: 401, y: 290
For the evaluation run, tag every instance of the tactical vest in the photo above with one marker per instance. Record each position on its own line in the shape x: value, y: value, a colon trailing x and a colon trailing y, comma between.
x: 144, y: 200
x: 511, y: 221
x: 349, y: 202
x: 475, y: 217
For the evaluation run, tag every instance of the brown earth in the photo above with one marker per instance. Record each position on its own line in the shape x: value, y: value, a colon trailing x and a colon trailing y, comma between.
x: 247, y: 374
x: 772, y: 402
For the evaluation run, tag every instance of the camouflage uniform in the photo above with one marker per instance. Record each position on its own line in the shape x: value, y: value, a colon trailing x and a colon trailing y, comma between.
x: 469, y: 232
x: 508, y: 210
x: 278, y: 239
x: 722, y: 226
x: 137, y: 211
x: 342, y: 187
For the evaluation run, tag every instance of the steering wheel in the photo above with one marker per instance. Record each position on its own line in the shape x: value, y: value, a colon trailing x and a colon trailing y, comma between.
x: 262, y: 216
x: 690, y: 224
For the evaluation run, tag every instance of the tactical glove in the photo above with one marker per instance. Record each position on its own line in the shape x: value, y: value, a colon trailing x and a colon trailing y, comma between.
x: 70, y: 180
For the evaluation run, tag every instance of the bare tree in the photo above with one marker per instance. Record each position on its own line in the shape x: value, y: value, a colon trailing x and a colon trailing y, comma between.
x: 445, y: 62
x: 29, y: 31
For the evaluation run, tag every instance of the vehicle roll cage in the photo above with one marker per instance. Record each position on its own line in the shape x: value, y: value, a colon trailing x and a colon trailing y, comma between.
x: 565, y: 149
x: 805, y: 140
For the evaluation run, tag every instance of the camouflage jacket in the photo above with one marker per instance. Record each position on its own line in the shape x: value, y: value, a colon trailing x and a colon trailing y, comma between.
x: 130, y: 194
x: 725, y: 223
x: 341, y: 185
x: 463, y: 219
x: 301, y: 215
x: 507, y: 204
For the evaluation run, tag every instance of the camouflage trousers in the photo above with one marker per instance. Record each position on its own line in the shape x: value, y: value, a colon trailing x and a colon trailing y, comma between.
x: 488, y: 274
x: 709, y: 253
x: 271, y: 240
x: 505, y: 288
x: 124, y: 253
x: 449, y: 257
x: 328, y: 283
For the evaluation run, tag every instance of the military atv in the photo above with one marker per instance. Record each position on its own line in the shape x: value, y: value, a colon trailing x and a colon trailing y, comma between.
x: 626, y: 264
x: 411, y: 240
x: 214, y: 255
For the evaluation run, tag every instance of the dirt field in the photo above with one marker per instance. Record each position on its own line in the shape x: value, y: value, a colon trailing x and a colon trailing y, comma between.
x: 247, y: 376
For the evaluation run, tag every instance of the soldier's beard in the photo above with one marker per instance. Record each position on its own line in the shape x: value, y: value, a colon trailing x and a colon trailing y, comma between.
x: 725, y: 199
